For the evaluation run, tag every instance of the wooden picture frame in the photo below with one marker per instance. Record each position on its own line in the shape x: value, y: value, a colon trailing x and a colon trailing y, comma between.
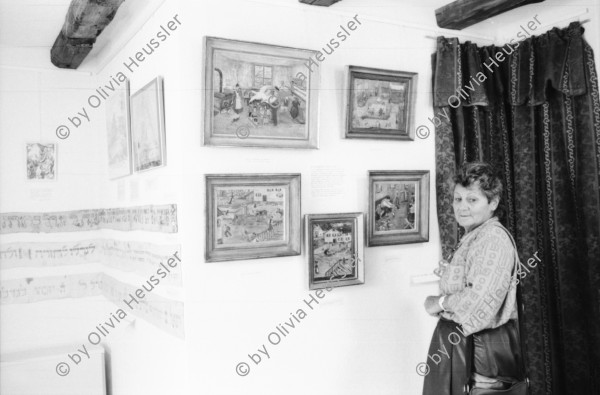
x: 259, y: 95
x: 118, y: 133
x: 398, y: 207
x: 252, y: 216
x: 148, y: 126
x: 335, y: 248
x: 380, y: 104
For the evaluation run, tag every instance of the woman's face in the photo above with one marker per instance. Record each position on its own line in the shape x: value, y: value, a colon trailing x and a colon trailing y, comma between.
x: 471, y: 206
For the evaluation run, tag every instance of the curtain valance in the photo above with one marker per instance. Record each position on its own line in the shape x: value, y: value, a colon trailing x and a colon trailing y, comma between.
x: 467, y: 75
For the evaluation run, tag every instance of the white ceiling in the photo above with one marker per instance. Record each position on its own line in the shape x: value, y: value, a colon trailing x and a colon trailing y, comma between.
x: 28, y: 28
x: 31, y: 23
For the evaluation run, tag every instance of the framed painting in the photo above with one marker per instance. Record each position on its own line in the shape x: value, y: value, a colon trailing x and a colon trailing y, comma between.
x: 118, y: 133
x: 335, y: 245
x: 148, y: 126
x: 380, y: 104
x: 41, y: 161
x: 259, y: 95
x: 398, y: 207
x: 252, y: 216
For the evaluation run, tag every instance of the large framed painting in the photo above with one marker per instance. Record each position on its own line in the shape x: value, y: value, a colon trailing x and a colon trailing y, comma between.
x: 398, y: 207
x: 41, y: 161
x: 335, y: 245
x: 380, y: 104
x: 252, y: 216
x: 259, y: 95
x: 118, y: 133
x: 148, y: 126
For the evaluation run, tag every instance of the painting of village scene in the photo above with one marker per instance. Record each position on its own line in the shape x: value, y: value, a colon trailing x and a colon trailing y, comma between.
x: 332, y: 250
x: 258, y: 95
x: 336, y: 249
x: 394, y: 206
x: 380, y: 105
x: 250, y: 216
x: 398, y: 207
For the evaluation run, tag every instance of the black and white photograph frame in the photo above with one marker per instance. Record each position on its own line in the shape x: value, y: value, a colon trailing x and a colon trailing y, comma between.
x: 380, y: 104
x: 335, y: 249
x: 148, y: 126
x: 398, y: 207
x: 259, y: 95
x: 252, y: 216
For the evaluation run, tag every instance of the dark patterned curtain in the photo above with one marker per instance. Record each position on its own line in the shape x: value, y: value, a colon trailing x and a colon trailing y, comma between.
x: 532, y: 109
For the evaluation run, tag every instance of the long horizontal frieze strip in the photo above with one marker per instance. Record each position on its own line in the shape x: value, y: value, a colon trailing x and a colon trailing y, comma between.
x: 141, y: 258
x: 37, y: 289
x: 166, y: 314
x: 159, y: 218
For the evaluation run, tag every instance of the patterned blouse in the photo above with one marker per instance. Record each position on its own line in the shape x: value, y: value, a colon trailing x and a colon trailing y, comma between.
x: 480, y: 281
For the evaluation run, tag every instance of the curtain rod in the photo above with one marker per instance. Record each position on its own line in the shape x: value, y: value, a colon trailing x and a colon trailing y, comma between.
x: 571, y: 18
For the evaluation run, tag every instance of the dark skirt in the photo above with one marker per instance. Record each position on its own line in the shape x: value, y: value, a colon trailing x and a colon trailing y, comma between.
x: 495, y: 352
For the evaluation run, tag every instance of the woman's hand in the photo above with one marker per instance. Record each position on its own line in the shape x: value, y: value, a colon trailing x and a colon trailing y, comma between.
x: 432, y: 306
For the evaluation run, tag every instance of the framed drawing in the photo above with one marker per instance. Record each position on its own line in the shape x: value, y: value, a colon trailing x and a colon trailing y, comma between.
x: 148, y: 126
x: 380, y: 104
x: 252, y: 216
x: 398, y: 207
x: 41, y: 161
x: 335, y: 245
x: 259, y: 95
x: 118, y: 133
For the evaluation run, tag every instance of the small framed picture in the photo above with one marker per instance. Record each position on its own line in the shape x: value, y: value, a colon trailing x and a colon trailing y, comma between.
x: 380, y: 104
x: 252, y: 216
x: 398, y: 207
x: 259, y: 95
x: 335, y: 245
x: 148, y: 126
x: 41, y: 161
x: 118, y: 132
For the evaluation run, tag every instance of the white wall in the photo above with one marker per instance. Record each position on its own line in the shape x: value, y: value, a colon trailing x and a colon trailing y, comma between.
x: 32, y: 105
x: 359, y: 339
x: 29, y: 104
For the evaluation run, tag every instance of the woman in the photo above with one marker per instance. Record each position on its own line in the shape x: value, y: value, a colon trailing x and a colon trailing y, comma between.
x: 478, y: 295
x: 238, y: 107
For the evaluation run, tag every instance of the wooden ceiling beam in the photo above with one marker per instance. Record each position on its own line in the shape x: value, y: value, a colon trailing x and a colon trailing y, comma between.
x: 324, y: 3
x: 464, y: 13
x: 84, y: 22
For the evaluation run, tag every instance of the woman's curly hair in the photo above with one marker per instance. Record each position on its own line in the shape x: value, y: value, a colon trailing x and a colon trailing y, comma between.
x: 484, y: 175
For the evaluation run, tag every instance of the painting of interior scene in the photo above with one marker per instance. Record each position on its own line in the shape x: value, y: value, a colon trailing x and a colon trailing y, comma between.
x: 395, y: 206
x: 378, y: 104
x: 333, y: 250
x: 246, y: 216
x: 266, y: 96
